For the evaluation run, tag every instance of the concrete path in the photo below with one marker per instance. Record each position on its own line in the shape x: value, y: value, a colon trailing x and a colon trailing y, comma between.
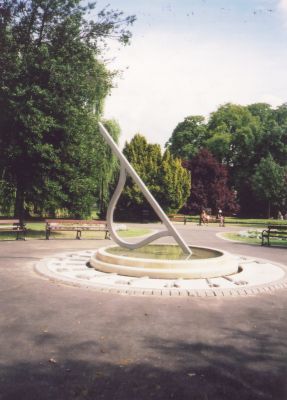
x: 59, y: 342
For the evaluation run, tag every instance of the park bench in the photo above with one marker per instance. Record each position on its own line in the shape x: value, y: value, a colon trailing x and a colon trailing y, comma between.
x: 180, y: 218
x: 177, y: 218
x: 78, y: 226
x: 13, y: 225
x: 273, y: 231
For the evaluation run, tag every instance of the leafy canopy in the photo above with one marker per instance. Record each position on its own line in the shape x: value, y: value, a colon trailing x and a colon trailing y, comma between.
x: 239, y: 137
x: 51, y: 83
x: 188, y: 137
x: 163, y: 174
x: 210, y: 186
x: 269, y: 182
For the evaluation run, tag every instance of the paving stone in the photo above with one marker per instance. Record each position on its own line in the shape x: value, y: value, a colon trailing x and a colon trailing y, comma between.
x: 174, y: 292
x: 192, y: 293
x: 148, y: 292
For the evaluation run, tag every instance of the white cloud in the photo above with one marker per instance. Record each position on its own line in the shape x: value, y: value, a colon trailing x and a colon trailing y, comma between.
x: 171, y: 76
x: 282, y: 5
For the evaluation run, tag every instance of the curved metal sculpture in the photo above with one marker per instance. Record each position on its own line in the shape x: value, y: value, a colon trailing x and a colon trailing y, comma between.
x: 126, y: 168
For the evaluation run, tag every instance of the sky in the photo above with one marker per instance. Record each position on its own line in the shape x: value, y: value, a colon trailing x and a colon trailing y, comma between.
x: 190, y: 57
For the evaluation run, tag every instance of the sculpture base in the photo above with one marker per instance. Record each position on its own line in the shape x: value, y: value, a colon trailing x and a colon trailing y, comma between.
x: 165, y: 262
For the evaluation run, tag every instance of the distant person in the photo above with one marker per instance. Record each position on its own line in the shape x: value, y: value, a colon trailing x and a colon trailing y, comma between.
x: 220, y: 217
x: 203, y: 219
x: 279, y: 216
x: 285, y: 216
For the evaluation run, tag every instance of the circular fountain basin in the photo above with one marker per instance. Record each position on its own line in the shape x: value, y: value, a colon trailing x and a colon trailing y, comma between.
x: 165, y: 261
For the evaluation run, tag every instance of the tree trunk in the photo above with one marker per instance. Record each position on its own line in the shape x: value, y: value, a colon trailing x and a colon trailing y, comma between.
x: 268, y: 209
x: 101, y: 207
x: 19, y: 203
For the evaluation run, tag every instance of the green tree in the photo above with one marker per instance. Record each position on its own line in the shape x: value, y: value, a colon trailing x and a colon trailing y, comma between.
x: 146, y: 160
x: 51, y: 82
x: 273, y: 132
x: 269, y: 183
x: 164, y: 176
x: 107, y: 166
x: 188, y: 137
x: 175, y: 183
x: 234, y: 137
x: 239, y: 137
x: 233, y: 134
x: 281, y: 147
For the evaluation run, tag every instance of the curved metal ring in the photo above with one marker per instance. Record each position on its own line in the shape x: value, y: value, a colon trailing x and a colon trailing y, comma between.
x: 110, y: 214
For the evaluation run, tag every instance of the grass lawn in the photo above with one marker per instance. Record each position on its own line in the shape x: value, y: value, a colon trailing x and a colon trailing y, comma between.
x: 252, y: 240
x: 36, y: 230
x: 244, y: 221
x: 254, y: 221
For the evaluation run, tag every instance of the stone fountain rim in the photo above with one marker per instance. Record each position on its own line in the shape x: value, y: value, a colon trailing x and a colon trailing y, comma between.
x: 222, y: 265
x: 222, y: 254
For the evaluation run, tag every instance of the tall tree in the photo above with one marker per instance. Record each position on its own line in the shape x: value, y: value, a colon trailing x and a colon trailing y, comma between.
x: 234, y: 137
x: 167, y: 180
x: 175, y: 183
x: 107, y: 166
x: 273, y: 132
x: 239, y: 137
x: 269, y: 183
x: 145, y: 159
x: 50, y: 83
x: 237, y: 130
x: 188, y: 137
x: 281, y: 119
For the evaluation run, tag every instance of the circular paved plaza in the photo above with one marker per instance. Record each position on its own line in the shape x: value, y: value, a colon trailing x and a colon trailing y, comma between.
x: 61, y: 340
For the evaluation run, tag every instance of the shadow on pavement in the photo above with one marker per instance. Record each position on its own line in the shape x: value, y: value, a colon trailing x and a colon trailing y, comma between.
x: 177, y: 370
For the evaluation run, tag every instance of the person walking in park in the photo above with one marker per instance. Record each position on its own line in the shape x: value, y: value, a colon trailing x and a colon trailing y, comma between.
x: 203, y: 219
x: 220, y: 217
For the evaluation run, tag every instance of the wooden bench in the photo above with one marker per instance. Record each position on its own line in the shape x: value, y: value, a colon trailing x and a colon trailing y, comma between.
x: 78, y: 226
x: 180, y: 218
x: 13, y: 225
x: 273, y: 231
x: 177, y: 218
